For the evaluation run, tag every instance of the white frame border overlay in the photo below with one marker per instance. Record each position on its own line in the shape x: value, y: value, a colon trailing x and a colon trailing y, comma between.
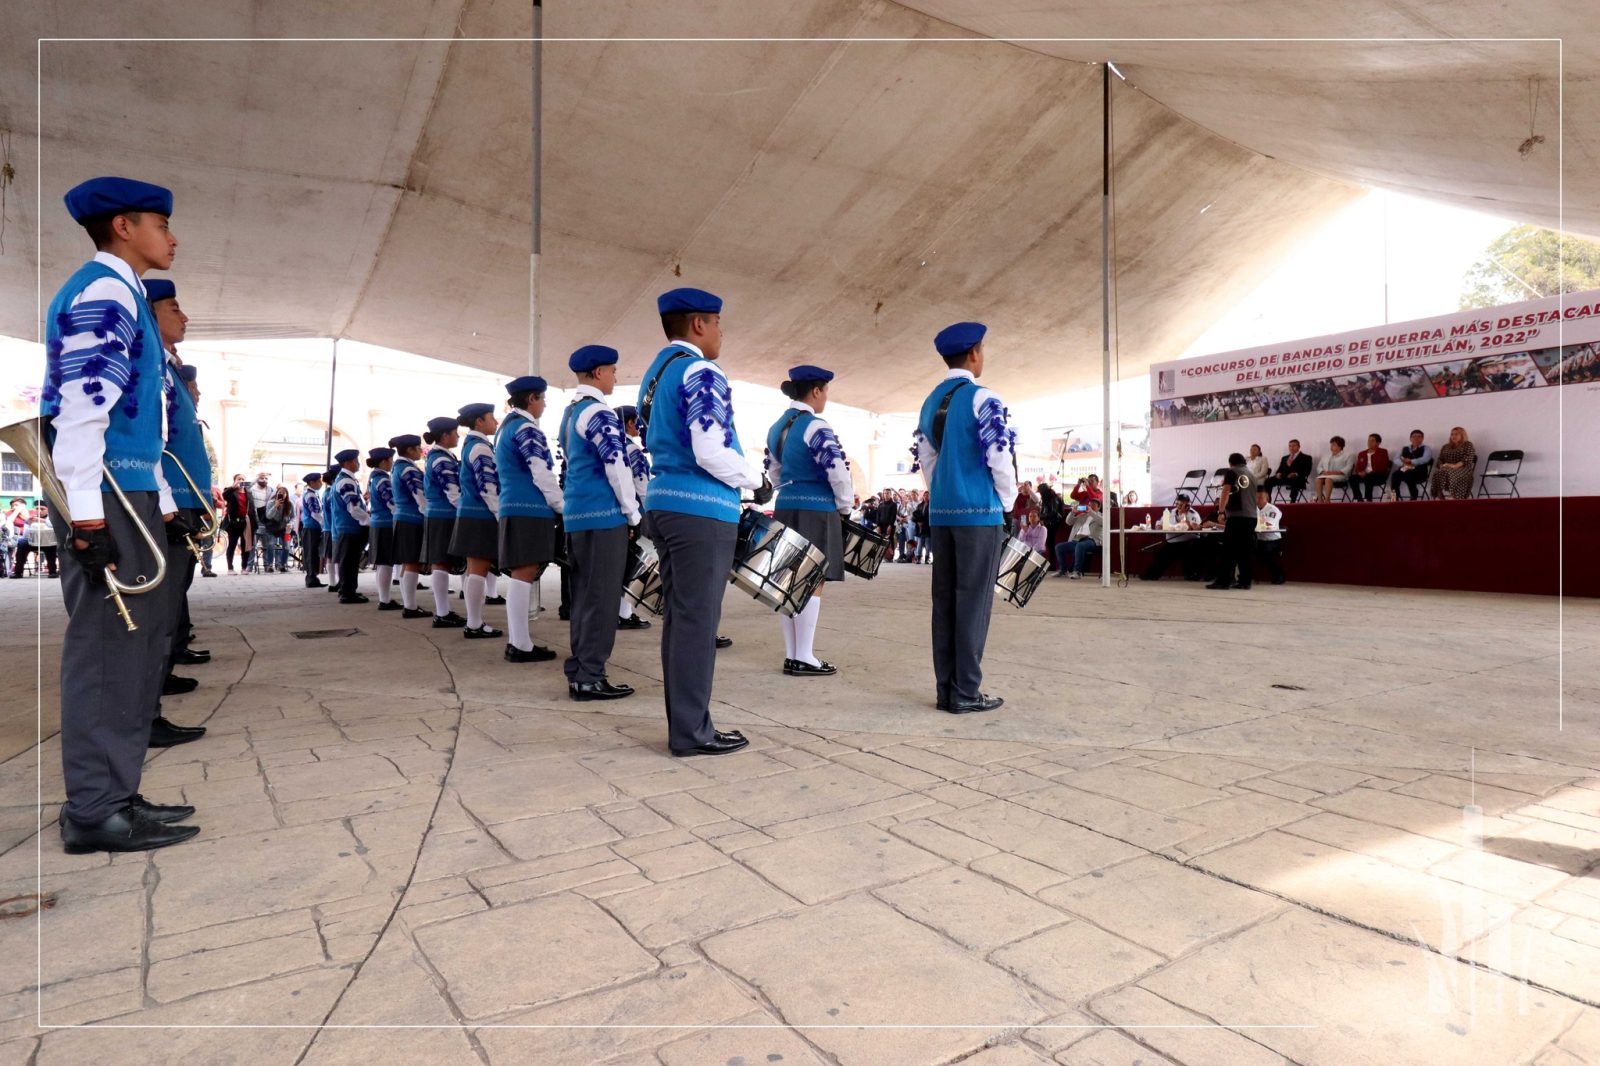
x: 1020, y: 1027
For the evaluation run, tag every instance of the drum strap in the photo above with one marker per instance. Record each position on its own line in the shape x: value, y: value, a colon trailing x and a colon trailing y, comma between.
x: 943, y: 412
x: 648, y: 401
x: 783, y: 434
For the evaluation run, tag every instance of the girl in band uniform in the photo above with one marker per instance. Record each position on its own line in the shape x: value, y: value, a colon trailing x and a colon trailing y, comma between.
x: 477, y: 534
x: 441, y: 486
x: 380, y: 506
x: 807, y: 464
x: 530, y: 499
x: 405, y: 489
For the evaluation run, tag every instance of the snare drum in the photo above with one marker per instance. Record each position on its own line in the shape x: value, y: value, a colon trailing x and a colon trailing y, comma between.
x: 644, y: 586
x: 864, y: 550
x: 1021, y: 570
x: 776, y: 565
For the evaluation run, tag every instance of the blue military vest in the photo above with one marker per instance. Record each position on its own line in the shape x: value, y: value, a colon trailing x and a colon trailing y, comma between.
x: 440, y: 469
x: 336, y: 515
x: 380, y: 500
x: 679, y: 484
x: 590, y: 501
x: 188, y: 443
x: 805, y: 480
x: 519, y: 443
x: 402, y: 478
x: 133, y: 439
x: 472, y: 504
x: 962, y: 491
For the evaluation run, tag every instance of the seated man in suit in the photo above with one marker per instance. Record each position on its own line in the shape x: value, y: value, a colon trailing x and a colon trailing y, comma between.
x: 1294, y: 470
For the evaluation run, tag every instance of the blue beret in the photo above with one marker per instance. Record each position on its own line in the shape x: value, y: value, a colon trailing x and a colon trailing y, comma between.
x: 694, y: 301
x: 809, y: 373
x: 628, y: 413
x: 472, y: 412
x: 959, y: 338
x: 589, y: 357
x: 404, y: 441
x: 346, y: 455
x: 188, y: 373
x: 378, y: 455
x: 442, y: 425
x: 312, y: 478
x: 101, y: 196
x: 530, y: 383
x: 159, y: 289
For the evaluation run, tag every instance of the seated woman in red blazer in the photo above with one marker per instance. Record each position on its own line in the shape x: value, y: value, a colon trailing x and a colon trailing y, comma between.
x: 1372, y: 469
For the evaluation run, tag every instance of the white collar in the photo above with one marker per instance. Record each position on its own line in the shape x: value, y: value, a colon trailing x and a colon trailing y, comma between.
x: 468, y: 435
x: 801, y: 405
x: 587, y: 390
x: 124, y: 271
x: 695, y: 348
x: 953, y: 374
x: 517, y: 412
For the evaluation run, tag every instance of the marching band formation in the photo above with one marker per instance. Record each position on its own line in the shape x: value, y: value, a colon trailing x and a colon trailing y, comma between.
x: 639, y: 508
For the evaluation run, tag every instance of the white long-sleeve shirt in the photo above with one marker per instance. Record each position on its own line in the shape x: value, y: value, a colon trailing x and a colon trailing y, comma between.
x: 708, y: 436
x: 598, y: 424
x: 638, y: 465
x: 80, y: 425
x: 825, y: 448
x: 999, y: 442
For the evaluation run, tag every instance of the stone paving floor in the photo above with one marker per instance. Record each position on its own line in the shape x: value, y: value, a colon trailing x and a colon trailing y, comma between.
x: 1204, y: 829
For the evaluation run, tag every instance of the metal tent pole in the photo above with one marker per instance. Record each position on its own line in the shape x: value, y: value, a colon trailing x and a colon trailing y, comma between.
x: 538, y: 122
x: 1107, y: 517
x: 333, y: 381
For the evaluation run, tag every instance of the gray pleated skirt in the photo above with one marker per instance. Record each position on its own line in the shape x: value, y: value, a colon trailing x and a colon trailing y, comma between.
x: 383, y: 546
x: 476, y: 538
x: 407, y: 543
x: 436, y: 533
x: 823, y: 530
x: 526, y: 541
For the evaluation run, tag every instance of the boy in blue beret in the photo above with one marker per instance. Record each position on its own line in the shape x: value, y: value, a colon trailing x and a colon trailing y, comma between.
x: 966, y: 451
x: 102, y: 399
x: 350, y: 522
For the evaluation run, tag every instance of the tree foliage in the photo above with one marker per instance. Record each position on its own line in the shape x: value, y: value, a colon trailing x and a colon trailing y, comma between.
x: 1544, y: 261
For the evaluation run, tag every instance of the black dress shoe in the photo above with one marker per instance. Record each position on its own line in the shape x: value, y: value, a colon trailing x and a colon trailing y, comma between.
x: 448, y: 621
x: 633, y: 621
x: 982, y: 703
x: 536, y: 654
x: 165, y: 813
x: 719, y: 744
x: 165, y: 734
x: 1221, y: 586
x: 1240, y: 585
x: 564, y: 614
x: 354, y: 597
x: 390, y: 606
x: 483, y: 632
x: 191, y: 658
x: 129, y: 829
x: 942, y: 703
x: 313, y: 583
x: 333, y: 588
x: 494, y: 601
x: 415, y: 612
x: 724, y: 642
x: 583, y: 691
x: 176, y: 686
x: 799, y: 668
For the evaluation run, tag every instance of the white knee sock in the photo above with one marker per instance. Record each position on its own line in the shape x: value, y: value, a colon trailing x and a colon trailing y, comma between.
x: 491, y: 583
x: 625, y: 610
x: 408, y: 588
x: 786, y: 624
x: 439, y: 581
x: 384, y: 574
x: 518, y: 595
x: 475, y: 587
x: 805, y: 631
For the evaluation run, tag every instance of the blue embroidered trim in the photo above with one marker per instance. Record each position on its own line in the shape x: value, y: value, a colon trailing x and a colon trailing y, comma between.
x: 532, y: 445
x: 992, y: 509
x: 129, y: 464
x: 721, y: 501
x: 992, y: 429
x: 638, y: 461
x: 825, y: 449
x: 709, y: 402
x: 916, y: 451
x: 605, y: 435
x: 610, y: 512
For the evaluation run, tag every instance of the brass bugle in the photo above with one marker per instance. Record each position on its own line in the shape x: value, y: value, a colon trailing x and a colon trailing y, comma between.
x: 209, y: 530
x: 26, y: 438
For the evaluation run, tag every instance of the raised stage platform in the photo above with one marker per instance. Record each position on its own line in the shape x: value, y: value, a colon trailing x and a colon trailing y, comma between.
x: 1483, y: 545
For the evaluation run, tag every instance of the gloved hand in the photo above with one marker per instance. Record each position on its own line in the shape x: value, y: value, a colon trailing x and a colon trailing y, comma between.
x: 94, y: 550
x: 762, y: 496
x: 180, y: 526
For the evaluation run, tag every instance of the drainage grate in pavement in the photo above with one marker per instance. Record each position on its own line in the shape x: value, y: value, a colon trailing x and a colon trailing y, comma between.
x: 324, y: 634
x: 1292, y: 688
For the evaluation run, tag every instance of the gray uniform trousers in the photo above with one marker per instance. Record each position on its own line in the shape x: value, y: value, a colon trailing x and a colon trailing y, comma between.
x: 180, y: 575
x: 965, y: 559
x: 110, y: 678
x: 597, y: 558
x: 696, y: 555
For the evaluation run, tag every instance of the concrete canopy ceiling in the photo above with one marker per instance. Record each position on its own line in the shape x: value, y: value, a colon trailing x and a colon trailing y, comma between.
x: 846, y: 198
